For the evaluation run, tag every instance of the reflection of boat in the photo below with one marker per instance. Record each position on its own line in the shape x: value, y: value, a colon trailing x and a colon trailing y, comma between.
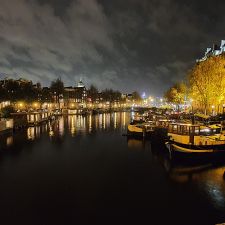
x: 140, y: 129
x: 135, y: 143
x: 187, y: 138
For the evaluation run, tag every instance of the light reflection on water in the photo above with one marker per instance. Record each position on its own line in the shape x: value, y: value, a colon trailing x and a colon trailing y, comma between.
x: 78, y: 124
x: 205, y: 175
x: 72, y: 124
x: 206, y: 179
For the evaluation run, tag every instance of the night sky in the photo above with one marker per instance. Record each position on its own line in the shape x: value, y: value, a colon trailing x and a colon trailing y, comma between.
x: 143, y: 45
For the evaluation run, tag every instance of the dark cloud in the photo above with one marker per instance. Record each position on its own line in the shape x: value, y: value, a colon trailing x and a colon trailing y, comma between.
x: 127, y: 45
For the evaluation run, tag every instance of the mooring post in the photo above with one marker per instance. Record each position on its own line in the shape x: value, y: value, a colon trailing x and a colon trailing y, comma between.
x: 144, y: 131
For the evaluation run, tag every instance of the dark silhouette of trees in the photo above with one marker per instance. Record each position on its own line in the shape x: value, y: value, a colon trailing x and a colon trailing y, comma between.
x: 3, y: 93
x: 93, y: 93
x: 46, y: 95
x: 111, y: 95
x: 28, y: 92
x: 6, y: 111
x: 13, y: 90
x: 57, y: 89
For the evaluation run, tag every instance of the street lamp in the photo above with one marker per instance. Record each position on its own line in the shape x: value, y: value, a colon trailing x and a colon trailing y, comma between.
x: 35, y: 105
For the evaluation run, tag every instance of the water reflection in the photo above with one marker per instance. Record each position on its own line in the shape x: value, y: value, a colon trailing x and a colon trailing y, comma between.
x: 9, y: 141
x: 207, y: 174
x: 71, y: 152
x: 73, y: 125
x: 204, y: 174
x: 78, y: 124
x: 137, y: 144
x: 61, y: 126
x: 33, y: 132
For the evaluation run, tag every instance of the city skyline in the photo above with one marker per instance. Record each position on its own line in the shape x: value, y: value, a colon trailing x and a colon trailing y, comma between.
x: 128, y: 45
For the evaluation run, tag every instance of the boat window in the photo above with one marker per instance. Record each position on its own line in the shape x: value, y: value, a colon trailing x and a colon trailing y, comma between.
x: 191, y: 130
x: 174, y: 129
x: 194, y: 130
x: 185, y: 130
x: 209, y: 131
x: 179, y: 129
x: 197, y: 130
x: 170, y: 128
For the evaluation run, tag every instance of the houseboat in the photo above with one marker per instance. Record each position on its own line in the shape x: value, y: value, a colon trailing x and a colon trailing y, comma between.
x: 188, y: 138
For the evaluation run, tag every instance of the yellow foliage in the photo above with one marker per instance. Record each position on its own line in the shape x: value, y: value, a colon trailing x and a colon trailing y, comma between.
x: 207, y: 82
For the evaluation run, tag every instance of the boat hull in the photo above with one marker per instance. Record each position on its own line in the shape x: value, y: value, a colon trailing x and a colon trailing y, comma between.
x: 139, y: 130
x: 192, y: 149
x: 139, y: 134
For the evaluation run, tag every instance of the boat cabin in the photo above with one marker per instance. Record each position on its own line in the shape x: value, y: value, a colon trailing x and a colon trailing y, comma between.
x: 196, y: 130
x: 195, y: 134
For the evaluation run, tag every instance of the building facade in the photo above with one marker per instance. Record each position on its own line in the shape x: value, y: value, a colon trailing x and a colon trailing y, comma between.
x: 213, y: 51
x: 75, y: 97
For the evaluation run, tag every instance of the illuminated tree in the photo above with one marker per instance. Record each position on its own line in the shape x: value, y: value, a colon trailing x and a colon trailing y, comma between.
x: 136, y: 96
x: 207, y: 82
x: 176, y: 94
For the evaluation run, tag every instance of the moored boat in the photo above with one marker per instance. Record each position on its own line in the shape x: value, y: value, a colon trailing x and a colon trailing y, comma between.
x: 140, y: 129
x: 188, y: 138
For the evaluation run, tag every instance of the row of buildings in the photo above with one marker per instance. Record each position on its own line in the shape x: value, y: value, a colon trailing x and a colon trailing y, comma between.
x: 72, y: 96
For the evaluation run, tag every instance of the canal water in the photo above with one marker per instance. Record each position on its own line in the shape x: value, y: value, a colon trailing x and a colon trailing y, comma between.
x: 81, y: 170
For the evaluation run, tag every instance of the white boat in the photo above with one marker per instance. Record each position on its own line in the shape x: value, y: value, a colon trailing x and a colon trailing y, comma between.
x: 188, y: 138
